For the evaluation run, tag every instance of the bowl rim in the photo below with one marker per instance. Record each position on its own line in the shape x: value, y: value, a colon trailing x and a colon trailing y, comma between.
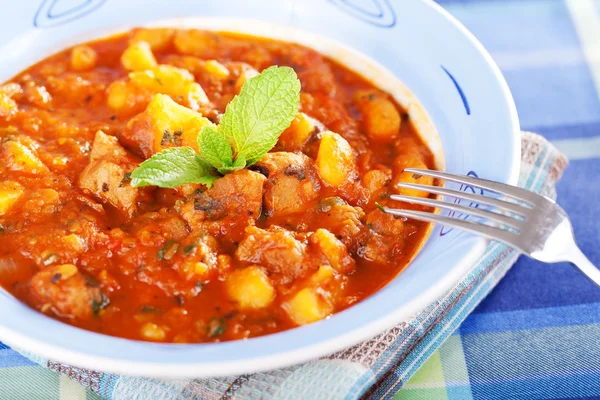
x: 193, y: 368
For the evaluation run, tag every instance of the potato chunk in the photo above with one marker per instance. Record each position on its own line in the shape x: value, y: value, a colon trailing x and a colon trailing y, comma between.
x: 381, y: 118
x: 245, y: 75
x: 10, y: 192
x: 324, y: 275
x: 163, y: 124
x: 83, y: 58
x: 250, y: 288
x: 299, y: 132
x: 138, y: 56
x: 172, y: 81
x: 8, y: 106
x: 157, y: 38
x: 216, y: 69
x: 151, y: 331
x: 21, y: 158
x: 195, y: 42
x: 336, y: 162
x: 11, y: 89
x: 125, y: 98
x: 307, y: 306
x: 402, y: 162
x: 375, y: 180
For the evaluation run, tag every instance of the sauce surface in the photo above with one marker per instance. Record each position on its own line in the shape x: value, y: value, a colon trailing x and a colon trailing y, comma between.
x: 289, y: 241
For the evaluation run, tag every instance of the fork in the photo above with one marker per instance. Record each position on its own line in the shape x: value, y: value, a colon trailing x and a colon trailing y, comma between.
x: 531, y: 223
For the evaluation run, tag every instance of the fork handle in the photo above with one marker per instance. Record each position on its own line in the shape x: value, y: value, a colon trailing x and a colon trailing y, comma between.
x: 577, y: 257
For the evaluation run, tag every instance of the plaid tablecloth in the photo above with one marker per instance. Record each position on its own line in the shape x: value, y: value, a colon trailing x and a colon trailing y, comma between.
x: 537, y: 335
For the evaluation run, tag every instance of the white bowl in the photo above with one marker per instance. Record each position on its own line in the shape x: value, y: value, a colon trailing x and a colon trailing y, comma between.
x: 438, y: 62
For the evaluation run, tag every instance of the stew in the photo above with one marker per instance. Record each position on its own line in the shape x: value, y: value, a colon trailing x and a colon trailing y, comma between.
x: 286, y: 241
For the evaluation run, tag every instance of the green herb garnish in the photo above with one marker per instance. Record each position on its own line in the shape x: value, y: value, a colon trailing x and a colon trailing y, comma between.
x: 99, y: 304
x: 173, y: 167
x: 216, y: 327
x: 167, y: 250
x: 250, y: 127
x: 187, y: 250
x: 126, y: 178
x: 92, y: 282
x: 150, y: 309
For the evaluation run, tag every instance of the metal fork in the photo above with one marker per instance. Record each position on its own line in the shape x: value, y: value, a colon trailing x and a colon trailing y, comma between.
x: 531, y: 223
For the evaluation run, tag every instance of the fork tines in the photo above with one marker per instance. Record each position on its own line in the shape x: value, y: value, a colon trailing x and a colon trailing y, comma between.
x: 501, y: 220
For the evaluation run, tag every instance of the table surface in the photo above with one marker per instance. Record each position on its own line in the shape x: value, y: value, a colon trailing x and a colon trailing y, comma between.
x: 537, y: 335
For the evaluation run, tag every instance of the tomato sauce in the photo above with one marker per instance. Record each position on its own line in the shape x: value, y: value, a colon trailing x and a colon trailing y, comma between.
x: 181, y: 265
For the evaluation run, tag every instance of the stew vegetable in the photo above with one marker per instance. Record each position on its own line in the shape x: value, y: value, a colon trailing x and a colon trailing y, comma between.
x: 174, y: 185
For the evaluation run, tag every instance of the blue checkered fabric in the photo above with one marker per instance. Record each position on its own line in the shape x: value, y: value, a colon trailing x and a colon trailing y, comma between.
x: 537, y: 334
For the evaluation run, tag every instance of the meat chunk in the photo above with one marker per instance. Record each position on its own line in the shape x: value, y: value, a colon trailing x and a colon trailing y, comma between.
x: 230, y: 203
x: 195, y: 262
x: 331, y: 251
x: 235, y: 194
x: 65, y: 291
x: 384, y: 223
x: 343, y: 220
x: 379, y: 248
x: 106, y: 147
x: 105, y: 175
x: 277, y: 250
x: 383, y: 241
x: 292, y: 182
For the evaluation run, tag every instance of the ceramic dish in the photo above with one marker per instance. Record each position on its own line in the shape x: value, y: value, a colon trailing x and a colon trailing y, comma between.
x: 444, y: 71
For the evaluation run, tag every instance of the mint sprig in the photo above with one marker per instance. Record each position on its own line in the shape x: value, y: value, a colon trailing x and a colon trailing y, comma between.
x: 173, y: 167
x: 266, y: 106
x: 250, y: 127
x: 215, y: 149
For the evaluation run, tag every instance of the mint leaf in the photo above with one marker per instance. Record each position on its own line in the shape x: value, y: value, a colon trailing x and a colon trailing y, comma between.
x: 265, y: 107
x: 214, y: 148
x: 173, y: 167
x: 250, y: 127
x: 239, y: 163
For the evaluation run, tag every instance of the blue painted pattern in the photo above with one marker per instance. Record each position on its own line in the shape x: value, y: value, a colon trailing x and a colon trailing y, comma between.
x: 463, y: 97
x: 49, y: 13
x: 379, y: 13
x: 463, y: 188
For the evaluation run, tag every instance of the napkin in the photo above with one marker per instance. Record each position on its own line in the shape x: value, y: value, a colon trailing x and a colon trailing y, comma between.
x: 376, y: 368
